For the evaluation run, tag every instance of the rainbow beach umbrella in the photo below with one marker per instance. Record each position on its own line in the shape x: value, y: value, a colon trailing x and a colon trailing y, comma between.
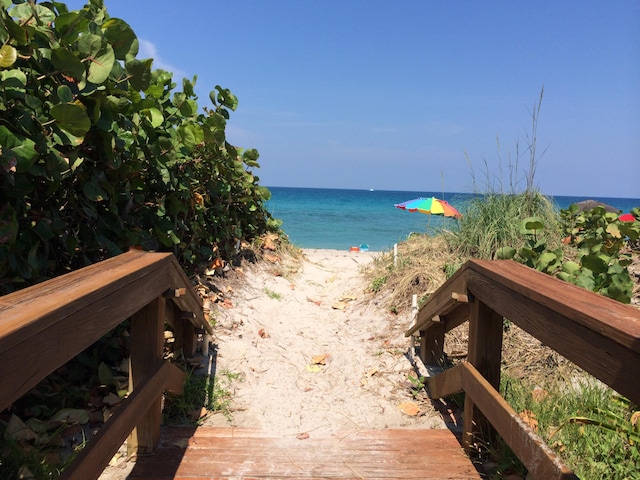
x: 430, y: 206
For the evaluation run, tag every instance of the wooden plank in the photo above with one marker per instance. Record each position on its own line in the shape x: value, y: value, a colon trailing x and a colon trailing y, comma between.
x: 147, y: 341
x: 76, y: 310
x: 446, y: 383
x: 485, y: 354
x: 372, y: 454
x: 601, y: 355
x: 457, y: 316
x: 432, y: 344
x: 541, y: 462
x: 610, y: 318
x: 185, y: 335
x: 190, y: 302
x: 93, y: 459
x: 440, y: 303
x: 44, y: 326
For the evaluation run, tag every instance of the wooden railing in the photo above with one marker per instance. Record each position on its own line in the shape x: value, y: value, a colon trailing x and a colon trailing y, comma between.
x: 598, y: 334
x: 44, y: 326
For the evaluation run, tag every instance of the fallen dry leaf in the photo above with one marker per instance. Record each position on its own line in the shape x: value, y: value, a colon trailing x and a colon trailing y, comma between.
x: 319, y: 359
x: 227, y: 303
x: 339, y: 306
x: 271, y: 258
x: 409, y: 408
x: 530, y: 419
x: 302, y: 436
x: 348, y: 298
x: 371, y: 372
x: 539, y: 394
x: 263, y: 333
x: 313, y: 368
x: 317, y: 302
x: 292, y: 286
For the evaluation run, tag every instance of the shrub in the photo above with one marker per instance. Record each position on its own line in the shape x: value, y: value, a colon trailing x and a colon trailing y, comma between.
x: 101, y: 153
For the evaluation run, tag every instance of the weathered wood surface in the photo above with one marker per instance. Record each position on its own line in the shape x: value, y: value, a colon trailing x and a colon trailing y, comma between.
x: 44, y: 326
x: 599, y: 334
x: 540, y: 460
x: 224, y: 453
x: 93, y: 459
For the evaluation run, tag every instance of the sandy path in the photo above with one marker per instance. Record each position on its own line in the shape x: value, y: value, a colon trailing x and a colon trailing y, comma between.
x: 274, y: 328
x: 278, y: 325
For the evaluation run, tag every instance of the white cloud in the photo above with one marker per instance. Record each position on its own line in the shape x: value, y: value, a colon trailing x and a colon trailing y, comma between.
x: 149, y: 50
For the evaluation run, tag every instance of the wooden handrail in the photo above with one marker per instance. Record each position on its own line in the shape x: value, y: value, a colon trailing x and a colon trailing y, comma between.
x: 598, y: 334
x: 44, y: 326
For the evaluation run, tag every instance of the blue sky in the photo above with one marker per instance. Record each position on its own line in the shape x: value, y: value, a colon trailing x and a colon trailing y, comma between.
x: 402, y: 95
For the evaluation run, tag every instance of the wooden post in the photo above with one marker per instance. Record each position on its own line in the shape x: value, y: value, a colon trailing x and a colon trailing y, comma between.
x: 185, y: 334
x: 432, y: 344
x: 147, y: 334
x: 485, y: 354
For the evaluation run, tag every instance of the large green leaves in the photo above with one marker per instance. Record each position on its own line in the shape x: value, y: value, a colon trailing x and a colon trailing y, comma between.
x: 100, y: 152
x: 122, y: 38
x: 67, y: 63
x: 72, y: 118
x: 100, y: 55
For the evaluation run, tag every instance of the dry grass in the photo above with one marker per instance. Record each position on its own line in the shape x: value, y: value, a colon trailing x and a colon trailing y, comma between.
x: 423, y: 263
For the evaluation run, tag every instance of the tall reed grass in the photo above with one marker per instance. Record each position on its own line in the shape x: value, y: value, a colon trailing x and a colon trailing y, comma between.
x: 492, y: 217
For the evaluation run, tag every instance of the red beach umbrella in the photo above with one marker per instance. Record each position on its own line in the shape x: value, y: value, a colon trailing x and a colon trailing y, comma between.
x: 627, y: 217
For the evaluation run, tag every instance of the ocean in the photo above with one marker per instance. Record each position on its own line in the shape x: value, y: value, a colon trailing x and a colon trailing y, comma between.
x: 340, y: 219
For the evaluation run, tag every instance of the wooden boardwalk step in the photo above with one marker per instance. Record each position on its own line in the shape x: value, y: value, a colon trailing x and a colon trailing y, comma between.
x: 228, y: 453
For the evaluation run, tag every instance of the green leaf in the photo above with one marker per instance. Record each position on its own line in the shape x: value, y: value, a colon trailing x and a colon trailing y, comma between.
x: 33, y: 14
x: 190, y: 135
x: 26, y: 155
x: 570, y: 267
x: 8, y: 56
x: 94, y: 192
x: 16, y: 32
x: 67, y: 63
x: 89, y: 45
x: 64, y: 94
x: 506, y: 253
x: 546, y: 260
x: 101, y: 65
x: 531, y: 225
x: 69, y: 24
x: 140, y: 71
x: 250, y: 157
x: 154, y: 115
x: 122, y: 38
x: 226, y: 98
x: 14, y: 83
x: 594, y: 263
x: 72, y: 118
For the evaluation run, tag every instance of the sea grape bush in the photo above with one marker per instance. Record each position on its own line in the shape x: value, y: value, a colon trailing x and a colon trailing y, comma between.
x: 100, y: 152
x: 603, y: 244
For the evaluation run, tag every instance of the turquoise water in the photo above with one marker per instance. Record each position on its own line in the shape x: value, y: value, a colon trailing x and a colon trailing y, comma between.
x: 340, y: 219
